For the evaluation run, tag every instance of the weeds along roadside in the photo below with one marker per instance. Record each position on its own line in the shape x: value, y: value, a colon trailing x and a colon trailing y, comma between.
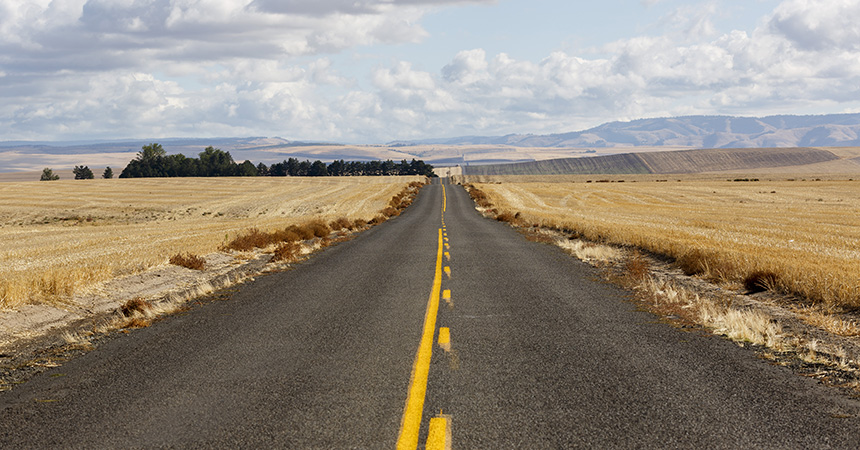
x: 269, y: 250
x: 812, y: 337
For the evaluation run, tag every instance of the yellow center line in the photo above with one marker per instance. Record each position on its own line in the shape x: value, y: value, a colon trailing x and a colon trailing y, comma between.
x: 410, y: 424
x: 439, y: 436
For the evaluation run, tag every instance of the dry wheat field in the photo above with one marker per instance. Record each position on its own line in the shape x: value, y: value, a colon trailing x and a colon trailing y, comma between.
x: 62, y: 237
x: 804, y: 232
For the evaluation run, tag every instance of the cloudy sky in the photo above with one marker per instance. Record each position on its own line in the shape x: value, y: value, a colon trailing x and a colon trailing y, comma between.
x: 370, y: 71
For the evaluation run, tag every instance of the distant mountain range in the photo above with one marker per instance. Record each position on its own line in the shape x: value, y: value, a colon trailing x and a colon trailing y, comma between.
x: 691, y: 132
x: 831, y: 130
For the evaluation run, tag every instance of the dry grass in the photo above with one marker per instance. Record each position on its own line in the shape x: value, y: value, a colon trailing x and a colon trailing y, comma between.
x: 64, y: 237
x: 188, y: 261
x: 741, y: 325
x: 590, y: 251
x: 796, y: 237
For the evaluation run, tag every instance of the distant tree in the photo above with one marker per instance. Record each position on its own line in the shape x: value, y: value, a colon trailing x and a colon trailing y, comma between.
x: 247, y: 169
x: 108, y: 173
x: 278, y: 170
x: 262, y: 170
x: 291, y: 166
x: 318, y: 169
x: 337, y: 168
x: 83, y: 173
x: 151, y: 151
x: 48, y: 175
x: 303, y: 169
x: 216, y: 163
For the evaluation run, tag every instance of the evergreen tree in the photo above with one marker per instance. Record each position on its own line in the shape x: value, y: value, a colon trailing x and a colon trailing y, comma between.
x: 49, y: 175
x: 83, y: 173
x: 108, y: 173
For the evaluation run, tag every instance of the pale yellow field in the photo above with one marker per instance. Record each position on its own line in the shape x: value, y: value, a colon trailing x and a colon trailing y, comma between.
x: 60, y: 237
x: 806, y: 232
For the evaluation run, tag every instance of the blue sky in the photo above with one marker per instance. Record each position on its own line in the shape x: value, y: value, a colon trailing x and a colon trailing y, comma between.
x: 370, y: 71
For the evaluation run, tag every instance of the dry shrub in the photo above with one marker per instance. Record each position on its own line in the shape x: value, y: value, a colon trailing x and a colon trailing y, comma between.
x: 288, y: 251
x: 188, y: 260
x: 397, y: 200
x: 540, y: 237
x: 304, y: 232
x: 637, y: 266
x: 319, y: 229
x: 138, y: 322
x: 478, y: 196
x: 134, y: 306
x: 390, y: 212
x: 506, y: 217
x: 252, y: 239
x: 359, y: 223
x: 761, y: 281
x: 341, y: 224
x: 377, y: 220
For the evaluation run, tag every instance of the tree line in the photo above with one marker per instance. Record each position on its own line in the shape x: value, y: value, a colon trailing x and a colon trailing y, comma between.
x: 153, y: 161
x: 81, y: 173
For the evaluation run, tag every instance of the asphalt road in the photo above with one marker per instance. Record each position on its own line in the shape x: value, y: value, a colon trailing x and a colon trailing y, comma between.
x: 542, y: 354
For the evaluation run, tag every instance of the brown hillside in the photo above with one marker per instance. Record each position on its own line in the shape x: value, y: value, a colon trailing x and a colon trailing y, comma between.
x: 737, y: 160
x: 730, y: 159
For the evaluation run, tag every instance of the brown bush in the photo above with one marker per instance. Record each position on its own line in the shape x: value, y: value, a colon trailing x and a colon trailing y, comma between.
x: 288, y: 251
x: 341, y: 224
x: 319, y: 229
x: 761, y: 281
x: 390, y: 212
x: 377, y: 220
x: 138, y: 322
x: 479, y: 197
x: 134, y: 305
x: 285, y: 235
x: 637, y: 266
x: 506, y: 217
x: 359, y: 223
x: 252, y: 239
x: 188, y: 261
x: 304, y: 232
x: 397, y: 200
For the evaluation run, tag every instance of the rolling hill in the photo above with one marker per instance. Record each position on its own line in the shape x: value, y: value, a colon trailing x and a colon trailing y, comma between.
x: 689, y: 131
x: 685, y: 162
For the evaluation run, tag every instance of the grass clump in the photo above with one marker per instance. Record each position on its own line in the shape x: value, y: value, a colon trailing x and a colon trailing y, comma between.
x: 319, y: 229
x: 637, y: 267
x: 188, y: 260
x: 134, y: 306
x: 760, y: 281
x: 342, y: 224
x: 288, y: 251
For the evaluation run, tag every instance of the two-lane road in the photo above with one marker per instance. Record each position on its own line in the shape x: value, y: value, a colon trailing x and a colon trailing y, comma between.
x: 536, y: 352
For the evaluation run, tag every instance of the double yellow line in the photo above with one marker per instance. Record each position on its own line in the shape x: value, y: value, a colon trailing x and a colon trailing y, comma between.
x: 410, y: 424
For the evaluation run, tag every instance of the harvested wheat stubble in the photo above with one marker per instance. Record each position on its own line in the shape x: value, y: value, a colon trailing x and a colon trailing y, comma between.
x: 63, y: 237
x: 804, y: 234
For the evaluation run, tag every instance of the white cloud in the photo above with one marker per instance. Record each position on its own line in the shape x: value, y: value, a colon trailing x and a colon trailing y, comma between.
x: 819, y: 24
x: 148, y: 68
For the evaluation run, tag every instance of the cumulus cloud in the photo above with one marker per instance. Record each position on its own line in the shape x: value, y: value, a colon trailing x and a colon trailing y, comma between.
x: 804, y: 56
x: 819, y: 25
x: 148, y: 68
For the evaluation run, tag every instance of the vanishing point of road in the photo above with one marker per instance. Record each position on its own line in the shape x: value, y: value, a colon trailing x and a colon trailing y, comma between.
x: 436, y: 329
